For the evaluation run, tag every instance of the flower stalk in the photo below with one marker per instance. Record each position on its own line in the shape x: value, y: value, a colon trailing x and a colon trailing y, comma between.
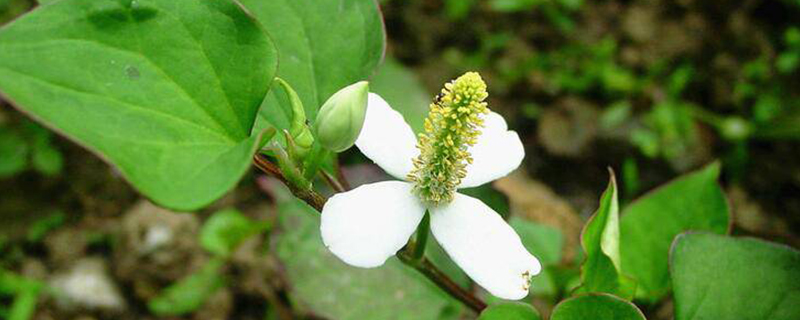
x: 430, y: 271
x: 308, y: 195
x: 288, y: 163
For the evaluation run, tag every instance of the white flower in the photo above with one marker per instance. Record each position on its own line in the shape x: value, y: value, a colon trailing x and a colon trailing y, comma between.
x: 369, y: 224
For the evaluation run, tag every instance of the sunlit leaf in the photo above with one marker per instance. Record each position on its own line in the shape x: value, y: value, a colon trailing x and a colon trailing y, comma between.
x: 596, y: 306
x: 600, y: 270
x: 719, y: 277
x: 510, y: 311
x: 649, y: 224
x: 323, y: 46
x: 153, y: 86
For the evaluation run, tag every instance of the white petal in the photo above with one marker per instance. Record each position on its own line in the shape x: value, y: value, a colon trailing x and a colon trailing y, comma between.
x: 387, y: 139
x: 497, y: 153
x: 484, y: 246
x: 367, y: 225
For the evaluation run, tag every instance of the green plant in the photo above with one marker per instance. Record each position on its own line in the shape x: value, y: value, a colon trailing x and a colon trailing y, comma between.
x: 28, y: 146
x: 184, y: 97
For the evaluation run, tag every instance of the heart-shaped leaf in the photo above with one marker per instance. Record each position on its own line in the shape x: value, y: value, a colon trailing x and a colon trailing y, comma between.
x: 596, y: 306
x: 323, y: 46
x: 510, y: 311
x: 719, y: 277
x: 166, y: 90
x: 649, y: 224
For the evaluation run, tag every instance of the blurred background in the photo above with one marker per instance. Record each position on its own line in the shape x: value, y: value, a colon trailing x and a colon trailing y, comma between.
x: 650, y: 88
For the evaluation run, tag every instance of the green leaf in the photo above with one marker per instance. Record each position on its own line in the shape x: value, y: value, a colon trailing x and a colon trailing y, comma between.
x: 719, y: 277
x: 323, y: 45
x: 600, y: 271
x: 41, y: 227
x: 24, y: 305
x: 674, y: 126
x: 25, y: 292
x: 649, y: 224
x: 458, y: 9
x: 189, y: 293
x: 786, y: 126
x: 226, y: 229
x: 13, y: 153
x: 596, y: 306
x: 401, y: 88
x: 152, y: 86
x: 787, y: 62
x: 11, y: 283
x: 324, y: 285
x: 615, y: 115
x: 46, y: 159
x: 510, y: 311
x: 514, y: 5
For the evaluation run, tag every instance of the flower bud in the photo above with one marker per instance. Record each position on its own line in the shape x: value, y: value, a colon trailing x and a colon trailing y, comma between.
x: 340, y: 119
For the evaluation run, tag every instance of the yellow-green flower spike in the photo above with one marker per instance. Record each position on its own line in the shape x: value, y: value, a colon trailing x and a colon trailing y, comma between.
x: 452, y: 126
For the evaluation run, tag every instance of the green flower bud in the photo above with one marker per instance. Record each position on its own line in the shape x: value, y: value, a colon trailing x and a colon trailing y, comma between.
x: 341, y: 117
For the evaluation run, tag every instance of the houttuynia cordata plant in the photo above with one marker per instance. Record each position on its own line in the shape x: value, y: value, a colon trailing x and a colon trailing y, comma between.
x: 184, y: 97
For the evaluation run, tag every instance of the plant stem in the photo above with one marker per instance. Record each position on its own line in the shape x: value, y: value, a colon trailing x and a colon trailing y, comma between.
x: 313, y: 199
x: 421, y: 263
x: 289, y: 169
x: 430, y: 271
x: 332, y: 181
